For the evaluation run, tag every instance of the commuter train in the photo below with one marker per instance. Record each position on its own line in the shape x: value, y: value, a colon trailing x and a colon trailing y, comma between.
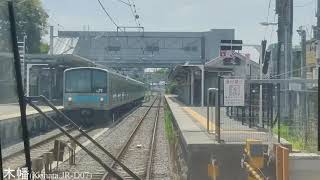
x: 90, y: 91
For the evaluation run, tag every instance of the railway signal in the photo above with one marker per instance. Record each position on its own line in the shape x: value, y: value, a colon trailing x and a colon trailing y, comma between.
x: 266, y: 62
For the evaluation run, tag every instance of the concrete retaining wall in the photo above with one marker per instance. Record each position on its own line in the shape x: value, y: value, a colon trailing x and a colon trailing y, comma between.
x: 11, y: 130
x: 304, y: 166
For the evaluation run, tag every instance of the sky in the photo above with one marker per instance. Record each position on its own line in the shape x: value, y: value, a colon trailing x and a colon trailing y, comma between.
x: 181, y: 15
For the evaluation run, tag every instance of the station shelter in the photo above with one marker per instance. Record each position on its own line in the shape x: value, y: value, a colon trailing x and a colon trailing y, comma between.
x: 193, y: 80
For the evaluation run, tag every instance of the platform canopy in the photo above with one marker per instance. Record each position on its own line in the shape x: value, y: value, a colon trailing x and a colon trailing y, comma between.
x: 69, y: 60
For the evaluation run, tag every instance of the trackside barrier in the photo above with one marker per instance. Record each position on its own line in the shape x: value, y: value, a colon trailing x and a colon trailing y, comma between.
x: 104, y: 165
x: 282, y: 162
x: 217, y: 112
x: 253, y: 159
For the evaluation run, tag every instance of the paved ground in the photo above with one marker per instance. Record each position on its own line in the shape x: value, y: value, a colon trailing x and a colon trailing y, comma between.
x: 8, y: 111
x: 192, y: 131
x: 193, y: 120
x: 231, y: 130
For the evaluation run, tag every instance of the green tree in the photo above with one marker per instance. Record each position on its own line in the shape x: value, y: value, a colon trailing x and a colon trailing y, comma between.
x: 5, y: 45
x: 31, y: 21
x: 44, y: 48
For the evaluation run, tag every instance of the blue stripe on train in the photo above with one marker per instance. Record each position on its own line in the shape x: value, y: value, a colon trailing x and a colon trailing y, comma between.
x: 88, y: 99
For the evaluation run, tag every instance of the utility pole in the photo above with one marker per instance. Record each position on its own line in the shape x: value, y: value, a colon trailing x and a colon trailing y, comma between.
x: 262, y: 58
x: 303, y: 93
x: 317, y: 32
x: 303, y: 36
x: 51, y: 40
x: 284, y: 9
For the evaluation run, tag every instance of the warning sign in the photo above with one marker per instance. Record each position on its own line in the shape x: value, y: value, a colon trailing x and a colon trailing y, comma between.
x: 233, y: 92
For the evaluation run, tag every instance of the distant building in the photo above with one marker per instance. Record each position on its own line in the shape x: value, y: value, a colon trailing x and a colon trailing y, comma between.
x: 296, y: 62
x: 311, y: 60
x: 143, y: 49
x: 193, y: 81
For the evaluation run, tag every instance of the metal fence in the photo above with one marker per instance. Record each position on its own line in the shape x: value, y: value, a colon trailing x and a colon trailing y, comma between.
x: 297, y: 112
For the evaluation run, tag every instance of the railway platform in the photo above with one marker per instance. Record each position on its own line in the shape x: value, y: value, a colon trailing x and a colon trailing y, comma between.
x: 10, y: 122
x: 201, y: 147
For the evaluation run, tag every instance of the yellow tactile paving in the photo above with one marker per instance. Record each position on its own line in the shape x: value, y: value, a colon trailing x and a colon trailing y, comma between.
x: 203, y: 121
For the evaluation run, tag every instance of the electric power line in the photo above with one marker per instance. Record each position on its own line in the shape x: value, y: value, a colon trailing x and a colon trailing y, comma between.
x: 135, y: 10
x: 272, y: 29
x: 128, y: 4
x: 106, y: 12
x: 297, y: 69
x: 267, y: 19
x: 133, y: 13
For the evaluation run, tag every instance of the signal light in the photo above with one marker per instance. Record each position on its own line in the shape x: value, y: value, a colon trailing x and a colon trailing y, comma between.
x: 266, y: 62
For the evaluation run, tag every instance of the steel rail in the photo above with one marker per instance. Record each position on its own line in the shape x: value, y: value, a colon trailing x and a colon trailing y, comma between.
x: 42, y: 142
x: 121, y: 152
x: 45, y: 100
x: 152, y: 144
x: 96, y: 158
x: 40, y: 145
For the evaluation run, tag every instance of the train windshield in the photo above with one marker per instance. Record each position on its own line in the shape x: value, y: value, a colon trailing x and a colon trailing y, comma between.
x: 99, y: 82
x: 85, y: 81
x: 78, y: 81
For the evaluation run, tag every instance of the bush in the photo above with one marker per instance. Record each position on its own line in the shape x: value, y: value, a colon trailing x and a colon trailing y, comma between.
x: 170, y: 133
x: 171, y: 88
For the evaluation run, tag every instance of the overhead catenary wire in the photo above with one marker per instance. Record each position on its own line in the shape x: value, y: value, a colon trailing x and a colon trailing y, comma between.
x: 297, y: 69
x: 267, y: 19
x: 106, y: 12
x: 128, y: 4
x: 133, y: 11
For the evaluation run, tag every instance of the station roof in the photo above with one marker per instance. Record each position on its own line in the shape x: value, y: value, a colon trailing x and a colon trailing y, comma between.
x: 218, y: 62
x: 70, y: 60
x: 180, y: 71
x: 64, y: 45
x: 215, y: 65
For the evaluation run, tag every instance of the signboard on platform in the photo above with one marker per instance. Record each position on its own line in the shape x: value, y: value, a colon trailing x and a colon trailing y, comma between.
x: 233, y: 92
x: 227, y: 53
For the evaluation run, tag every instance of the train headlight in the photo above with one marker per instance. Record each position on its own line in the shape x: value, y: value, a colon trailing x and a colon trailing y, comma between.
x: 101, y: 99
x: 69, y: 99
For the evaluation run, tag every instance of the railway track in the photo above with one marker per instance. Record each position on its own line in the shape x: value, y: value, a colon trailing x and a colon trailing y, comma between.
x: 138, y: 151
x: 113, y: 140
x: 17, y: 159
x: 136, y: 135
x: 149, y: 172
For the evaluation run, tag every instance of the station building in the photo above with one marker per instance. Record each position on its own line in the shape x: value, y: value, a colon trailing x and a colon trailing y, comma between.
x: 117, y: 50
x: 193, y: 81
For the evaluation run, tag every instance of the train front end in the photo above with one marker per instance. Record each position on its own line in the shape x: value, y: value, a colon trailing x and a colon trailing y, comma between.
x: 85, y: 92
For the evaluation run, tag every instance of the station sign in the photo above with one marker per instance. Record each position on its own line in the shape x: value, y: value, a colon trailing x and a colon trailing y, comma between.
x: 228, y: 47
x: 227, y: 53
x: 233, y: 92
